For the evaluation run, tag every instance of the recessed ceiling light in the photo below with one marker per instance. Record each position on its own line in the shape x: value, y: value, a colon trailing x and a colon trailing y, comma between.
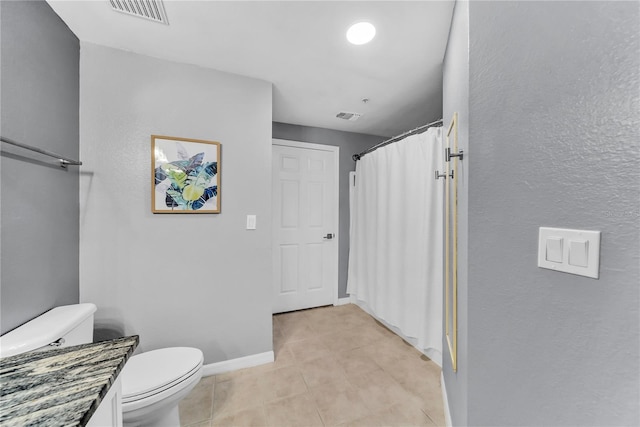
x: 361, y: 33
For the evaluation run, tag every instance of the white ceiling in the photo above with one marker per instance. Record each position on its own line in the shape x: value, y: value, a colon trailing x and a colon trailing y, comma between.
x: 300, y: 47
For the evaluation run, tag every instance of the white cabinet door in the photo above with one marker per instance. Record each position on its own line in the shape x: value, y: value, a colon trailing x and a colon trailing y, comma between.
x: 305, y: 223
x: 109, y: 413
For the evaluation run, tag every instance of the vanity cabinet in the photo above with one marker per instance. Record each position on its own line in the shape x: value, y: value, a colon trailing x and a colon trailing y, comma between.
x: 109, y: 413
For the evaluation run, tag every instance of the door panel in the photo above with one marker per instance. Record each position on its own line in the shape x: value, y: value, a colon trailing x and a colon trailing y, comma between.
x: 290, y: 201
x: 304, y: 213
x: 289, y: 263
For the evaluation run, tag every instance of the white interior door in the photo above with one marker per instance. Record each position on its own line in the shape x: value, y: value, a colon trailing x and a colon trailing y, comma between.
x: 305, y: 223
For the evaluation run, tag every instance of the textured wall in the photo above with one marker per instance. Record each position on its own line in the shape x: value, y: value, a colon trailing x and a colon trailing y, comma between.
x: 194, y: 280
x: 350, y: 143
x: 555, y: 128
x: 456, y: 99
x: 39, y: 61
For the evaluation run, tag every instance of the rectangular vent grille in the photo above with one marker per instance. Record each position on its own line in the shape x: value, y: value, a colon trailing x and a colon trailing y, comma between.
x: 348, y: 116
x: 147, y: 9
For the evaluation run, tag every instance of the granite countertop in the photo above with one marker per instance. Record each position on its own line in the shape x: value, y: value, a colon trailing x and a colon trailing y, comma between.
x: 62, y: 386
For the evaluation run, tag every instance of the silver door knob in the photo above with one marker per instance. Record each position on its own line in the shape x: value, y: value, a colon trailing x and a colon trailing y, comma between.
x: 329, y: 236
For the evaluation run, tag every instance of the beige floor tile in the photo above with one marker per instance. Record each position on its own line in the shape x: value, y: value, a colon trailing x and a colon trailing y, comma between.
x: 296, y: 333
x: 346, y: 340
x: 197, y: 406
x: 254, y: 417
x: 376, y: 333
x: 293, y: 411
x: 309, y: 349
x: 349, y: 309
x: 322, y: 370
x: 413, y: 415
x: 235, y: 375
x: 333, y: 365
x: 383, y: 354
x: 281, y: 383
x: 278, y: 340
x: 201, y: 424
x: 325, y: 324
x: 429, y: 397
x: 379, y: 390
x: 338, y: 407
x: 436, y: 415
x: 356, y: 362
x: 292, y: 319
x: 326, y: 327
x: 394, y: 416
x: 388, y: 333
x: 410, y: 370
x: 335, y: 386
x: 236, y: 395
x: 283, y: 357
x: 255, y: 370
x: 352, y: 320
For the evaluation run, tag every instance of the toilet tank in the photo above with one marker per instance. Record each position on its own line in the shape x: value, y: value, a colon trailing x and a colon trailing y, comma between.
x: 59, y: 327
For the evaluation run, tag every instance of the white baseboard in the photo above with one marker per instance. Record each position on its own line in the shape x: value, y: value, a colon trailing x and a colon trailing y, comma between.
x: 239, y: 363
x: 343, y: 301
x: 445, y: 401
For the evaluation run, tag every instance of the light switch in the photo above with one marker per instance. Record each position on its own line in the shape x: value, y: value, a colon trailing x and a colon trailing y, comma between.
x: 579, y: 253
x: 554, y: 249
x: 251, y: 222
x: 570, y: 251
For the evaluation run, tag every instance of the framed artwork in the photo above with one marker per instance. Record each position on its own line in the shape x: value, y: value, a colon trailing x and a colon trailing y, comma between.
x: 185, y: 175
x: 451, y: 246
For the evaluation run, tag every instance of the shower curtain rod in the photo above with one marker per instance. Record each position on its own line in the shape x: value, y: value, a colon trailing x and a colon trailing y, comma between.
x: 358, y: 156
x: 64, y: 162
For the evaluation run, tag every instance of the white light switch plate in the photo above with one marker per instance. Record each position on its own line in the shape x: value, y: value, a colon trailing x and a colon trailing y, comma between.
x: 251, y: 222
x: 585, y: 244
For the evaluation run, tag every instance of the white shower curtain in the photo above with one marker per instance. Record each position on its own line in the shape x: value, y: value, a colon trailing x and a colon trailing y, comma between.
x: 396, y: 252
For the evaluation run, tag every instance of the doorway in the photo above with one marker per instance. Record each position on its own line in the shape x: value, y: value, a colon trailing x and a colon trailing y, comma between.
x: 305, y: 224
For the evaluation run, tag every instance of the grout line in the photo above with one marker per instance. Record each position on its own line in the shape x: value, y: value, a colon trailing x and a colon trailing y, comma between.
x: 429, y: 416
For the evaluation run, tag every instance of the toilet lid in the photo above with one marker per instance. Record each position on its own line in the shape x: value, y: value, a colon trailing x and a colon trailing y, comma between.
x: 151, y: 372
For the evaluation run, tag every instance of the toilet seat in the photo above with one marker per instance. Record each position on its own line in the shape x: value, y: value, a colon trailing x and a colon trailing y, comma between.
x: 150, y: 374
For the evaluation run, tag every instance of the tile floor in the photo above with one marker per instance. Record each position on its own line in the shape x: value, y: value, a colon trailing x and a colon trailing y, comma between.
x: 335, y: 366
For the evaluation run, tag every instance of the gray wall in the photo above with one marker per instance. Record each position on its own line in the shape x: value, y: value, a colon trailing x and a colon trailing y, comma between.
x: 39, y: 68
x: 194, y: 280
x: 555, y: 128
x: 456, y: 99
x: 553, y: 141
x: 349, y: 143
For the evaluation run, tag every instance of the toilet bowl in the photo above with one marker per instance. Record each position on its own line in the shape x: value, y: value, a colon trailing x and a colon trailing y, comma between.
x: 153, y: 383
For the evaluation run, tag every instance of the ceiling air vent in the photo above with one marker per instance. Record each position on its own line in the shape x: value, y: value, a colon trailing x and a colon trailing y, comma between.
x: 147, y: 9
x: 352, y: 117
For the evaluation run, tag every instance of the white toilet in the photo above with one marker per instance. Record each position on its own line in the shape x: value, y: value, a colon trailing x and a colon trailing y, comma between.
x: 152, y: 383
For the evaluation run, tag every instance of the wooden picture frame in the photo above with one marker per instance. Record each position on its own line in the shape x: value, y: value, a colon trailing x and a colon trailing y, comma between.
x: 185, y: 175
x: 451, y: 245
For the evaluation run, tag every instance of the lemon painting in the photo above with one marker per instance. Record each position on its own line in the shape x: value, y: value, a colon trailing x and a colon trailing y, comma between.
x: 185, y: 175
